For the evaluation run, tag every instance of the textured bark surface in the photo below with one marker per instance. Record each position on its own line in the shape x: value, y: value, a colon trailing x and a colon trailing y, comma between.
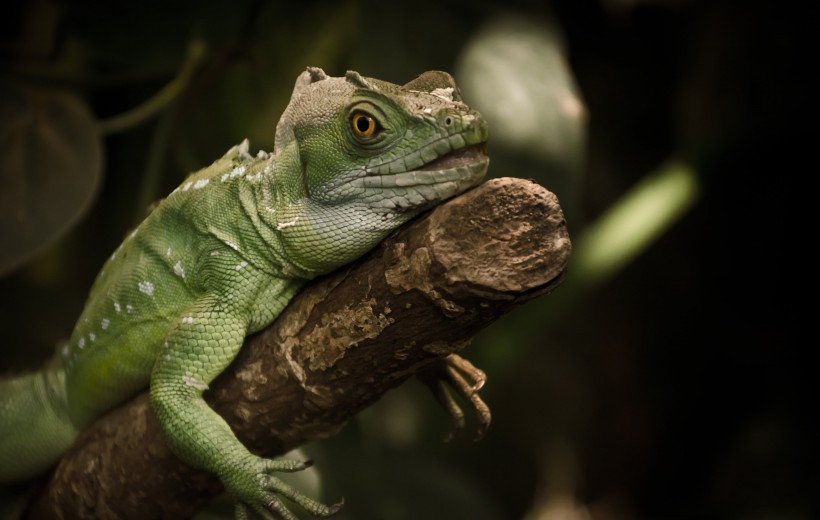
x: 341, y: 343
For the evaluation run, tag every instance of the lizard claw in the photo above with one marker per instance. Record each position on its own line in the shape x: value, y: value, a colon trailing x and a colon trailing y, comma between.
x: 457, y: 374
x: 262, y: 494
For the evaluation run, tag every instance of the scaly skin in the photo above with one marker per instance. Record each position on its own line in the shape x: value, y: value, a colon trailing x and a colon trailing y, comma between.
x: 223, y: 254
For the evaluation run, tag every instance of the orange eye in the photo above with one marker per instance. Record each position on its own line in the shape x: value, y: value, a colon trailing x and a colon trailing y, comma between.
x: 363, y: 124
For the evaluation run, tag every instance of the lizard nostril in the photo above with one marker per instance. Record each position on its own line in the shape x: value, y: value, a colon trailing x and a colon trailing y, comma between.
x: 448, y: 121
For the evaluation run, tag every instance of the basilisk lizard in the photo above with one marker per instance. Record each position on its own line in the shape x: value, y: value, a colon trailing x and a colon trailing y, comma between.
x: 222, y: 255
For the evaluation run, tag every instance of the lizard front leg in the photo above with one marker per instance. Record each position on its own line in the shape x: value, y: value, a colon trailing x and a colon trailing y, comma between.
x: 201, y: 345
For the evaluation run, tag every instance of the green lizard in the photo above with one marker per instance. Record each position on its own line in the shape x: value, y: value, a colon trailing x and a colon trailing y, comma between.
x: 222, y: 255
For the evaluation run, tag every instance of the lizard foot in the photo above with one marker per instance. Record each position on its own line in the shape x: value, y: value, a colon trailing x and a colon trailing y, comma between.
x: 257, y: 490
x: 456, y: 373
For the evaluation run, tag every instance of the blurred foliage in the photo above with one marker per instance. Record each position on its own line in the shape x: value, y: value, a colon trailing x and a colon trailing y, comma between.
x: 50, y: 168
x: 662, y: 380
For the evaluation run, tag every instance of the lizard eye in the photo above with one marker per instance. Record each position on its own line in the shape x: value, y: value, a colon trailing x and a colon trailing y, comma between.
x: 364, y: 125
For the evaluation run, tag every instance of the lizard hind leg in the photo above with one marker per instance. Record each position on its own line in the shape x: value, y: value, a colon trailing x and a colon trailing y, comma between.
x: 35, y: 429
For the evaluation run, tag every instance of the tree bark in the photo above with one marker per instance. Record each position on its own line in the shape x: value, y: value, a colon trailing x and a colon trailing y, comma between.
x: 342, y: 342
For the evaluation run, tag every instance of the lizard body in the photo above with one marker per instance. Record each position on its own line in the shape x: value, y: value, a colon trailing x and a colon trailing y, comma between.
x: 223, y: 254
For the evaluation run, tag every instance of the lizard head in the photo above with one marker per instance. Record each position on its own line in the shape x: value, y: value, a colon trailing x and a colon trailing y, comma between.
x: 356, y: 157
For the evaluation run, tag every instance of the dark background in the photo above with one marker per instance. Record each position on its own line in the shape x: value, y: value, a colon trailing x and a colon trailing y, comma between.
x: 679, y: 387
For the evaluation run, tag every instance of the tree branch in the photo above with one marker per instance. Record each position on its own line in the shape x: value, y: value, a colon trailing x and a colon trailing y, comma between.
x: 341, y: 343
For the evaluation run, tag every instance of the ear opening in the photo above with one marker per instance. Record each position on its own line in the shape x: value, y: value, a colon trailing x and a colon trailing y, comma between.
x: 288, y: 155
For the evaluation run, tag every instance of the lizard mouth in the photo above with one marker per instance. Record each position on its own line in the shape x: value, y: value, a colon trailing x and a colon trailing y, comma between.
x: 426, y: 183
x: 467, y: 156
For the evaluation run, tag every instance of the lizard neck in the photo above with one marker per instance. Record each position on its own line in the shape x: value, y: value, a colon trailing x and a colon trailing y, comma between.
x: 270, y: 211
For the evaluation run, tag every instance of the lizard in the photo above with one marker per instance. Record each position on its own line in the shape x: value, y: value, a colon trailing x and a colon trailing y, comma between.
x: 220, y: 257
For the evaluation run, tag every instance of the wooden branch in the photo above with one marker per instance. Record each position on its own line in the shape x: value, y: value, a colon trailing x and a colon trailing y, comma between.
x: 342, y: 343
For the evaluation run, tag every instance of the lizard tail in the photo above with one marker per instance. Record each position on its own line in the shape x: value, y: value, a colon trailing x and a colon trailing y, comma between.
x: 34, y: 426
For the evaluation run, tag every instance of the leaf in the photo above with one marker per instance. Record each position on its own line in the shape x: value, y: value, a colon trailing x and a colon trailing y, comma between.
x: 50, y: 168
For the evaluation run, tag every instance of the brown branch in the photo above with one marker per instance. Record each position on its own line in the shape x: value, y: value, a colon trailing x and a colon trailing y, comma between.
x: 343, y: 342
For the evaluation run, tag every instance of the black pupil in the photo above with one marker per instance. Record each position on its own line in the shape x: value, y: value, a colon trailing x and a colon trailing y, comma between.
x: 363, y: 124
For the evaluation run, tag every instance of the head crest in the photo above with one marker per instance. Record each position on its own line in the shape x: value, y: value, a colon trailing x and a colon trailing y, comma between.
x: 358, y: 80
x: 438, y: 83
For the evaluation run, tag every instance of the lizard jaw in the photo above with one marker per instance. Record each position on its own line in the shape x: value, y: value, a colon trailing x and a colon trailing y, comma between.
x: 413, y: 182
x: 434, y: 182
x: 466, y: 165
x: 461, y: 157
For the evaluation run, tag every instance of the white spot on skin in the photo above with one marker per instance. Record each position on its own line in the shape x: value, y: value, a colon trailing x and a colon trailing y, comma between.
x: 81, y: 343
x: 187, y: 186
x: 241, y: 265
x: 194, y: 382
x: 188, y: 319
x: 201, y: 183
x: 117, y: 307
x: 285, y: 225
x: 129, y: 308
x: 92, y: 337
x: 105, y: 323
x: 146, y: 287
x: 236, y: 172
x: 168, y: 252
x: 428, y: 111
x: 232, y: 245
x: 166, y: 345
x: 444, y: 93
x: 167, y: 357
x: 179, y: 270
x: 65, y: 350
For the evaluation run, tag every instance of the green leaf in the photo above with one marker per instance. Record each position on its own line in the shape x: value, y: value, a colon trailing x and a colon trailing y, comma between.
x: 50, y: 168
